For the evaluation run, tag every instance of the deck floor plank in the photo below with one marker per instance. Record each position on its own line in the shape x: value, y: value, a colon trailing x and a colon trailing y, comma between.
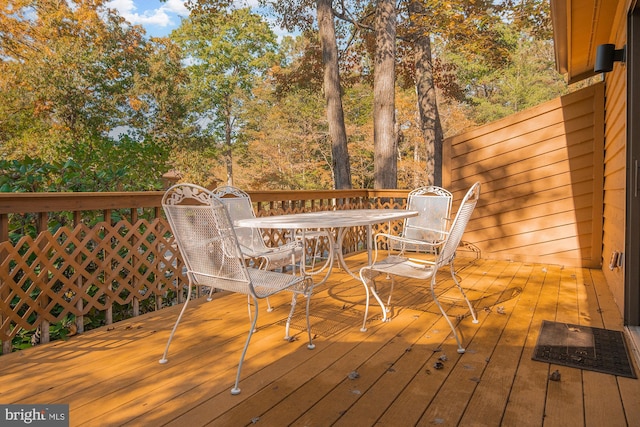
x: 186, y: 349
x: 528, y: 392
x: 111, y: 376
x: 606, y: 307
x: 394, y: 371
x: 414, y: 360
x: 602, y: 401
x: 452, y: 400
x: 319, y: 364
x: 218, y: 372
x: 370, y: 370
x: 565, y: 398
x: 321, y: 374
x: 492, y: 394
x: 416, y: 395
x: 419, y: 357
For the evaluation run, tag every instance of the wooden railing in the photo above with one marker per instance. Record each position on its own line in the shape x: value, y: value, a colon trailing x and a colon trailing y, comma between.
x: 81, y: 254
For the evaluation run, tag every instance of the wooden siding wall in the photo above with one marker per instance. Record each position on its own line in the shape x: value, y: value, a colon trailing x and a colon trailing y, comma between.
x: 542, y: 174
x: 615, y: 156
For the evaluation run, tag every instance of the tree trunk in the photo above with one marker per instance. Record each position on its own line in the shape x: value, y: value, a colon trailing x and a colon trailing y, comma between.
x: 385, y: 167
x: 425, y: 89
x: 335, y: 114
x: 429, y: 118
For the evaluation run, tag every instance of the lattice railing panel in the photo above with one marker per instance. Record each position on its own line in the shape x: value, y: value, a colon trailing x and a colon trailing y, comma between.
x: 75, y: 271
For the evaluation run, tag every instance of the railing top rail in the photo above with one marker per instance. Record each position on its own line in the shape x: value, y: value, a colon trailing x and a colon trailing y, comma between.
x: 55, y: 202
x: 279, y: 195
x: 86, y: 201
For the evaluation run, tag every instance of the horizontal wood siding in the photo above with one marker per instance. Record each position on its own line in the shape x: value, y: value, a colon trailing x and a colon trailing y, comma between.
x: 542, y: 175
x: 615, y: 159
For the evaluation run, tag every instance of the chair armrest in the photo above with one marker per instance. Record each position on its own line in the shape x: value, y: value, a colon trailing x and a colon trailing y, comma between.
x: 401, y: 244
x: 435, y: 230
x: 290, y: 247
x: 409, y: 241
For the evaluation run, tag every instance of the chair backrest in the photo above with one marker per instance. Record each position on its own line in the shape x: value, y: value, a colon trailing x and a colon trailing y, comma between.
x: 239, y: 205
x: 434, y: 205
x: 458, y: 226
x: 206, y: 238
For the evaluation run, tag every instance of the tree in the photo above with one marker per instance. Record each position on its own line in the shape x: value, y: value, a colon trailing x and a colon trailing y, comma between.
x: 332, y: 90
x: 421, y: 72
x: 95, y: 165
x: 162, y: 95
x: 287, y: 136
x: 70, y: 67
x: 384, y: 135
x: 297, y: 14
x: 527, y: 81
x: 71, y: 75
x: 512, y: 69
x: 226, y: 52
x: 289, y: 143
x: 288, y: 131
x: 302, y: 66
x: 457, y: 23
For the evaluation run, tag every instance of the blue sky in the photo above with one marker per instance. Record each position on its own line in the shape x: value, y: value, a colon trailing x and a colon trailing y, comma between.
x: 160, y: 18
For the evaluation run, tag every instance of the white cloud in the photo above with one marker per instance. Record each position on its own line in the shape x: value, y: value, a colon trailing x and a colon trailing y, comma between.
x: 176, y: 6
x: 124, y: 7
x: 161, y: 16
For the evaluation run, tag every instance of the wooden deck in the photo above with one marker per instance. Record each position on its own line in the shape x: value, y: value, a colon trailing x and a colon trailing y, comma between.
x: 111, y: 376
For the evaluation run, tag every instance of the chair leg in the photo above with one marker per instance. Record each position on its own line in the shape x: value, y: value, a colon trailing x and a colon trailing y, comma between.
x: 393, y: 283
x: 311, y: 345
x: 175, y: 326
x: 444, y: 314
x: 294, y: 301
x: 315, y: 256
x: 236, y: 390
x: 249, y: 310
x: 211, y: 290
x: 471, y: 309
x: 372, y: 288
x: 366, y: 307
x: 385, y: 308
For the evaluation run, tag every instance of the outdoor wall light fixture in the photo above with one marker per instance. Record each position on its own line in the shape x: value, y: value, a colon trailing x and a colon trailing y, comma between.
x: 606, y: 55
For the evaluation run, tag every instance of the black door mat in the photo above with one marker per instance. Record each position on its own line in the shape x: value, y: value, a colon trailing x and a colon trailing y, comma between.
x: 584, y: 347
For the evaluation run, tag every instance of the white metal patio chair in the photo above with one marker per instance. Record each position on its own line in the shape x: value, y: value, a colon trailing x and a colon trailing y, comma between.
x: 212, y: 256
x: 396, y: 264
x: 253, y: 245
x: 251, y: 242
x: 426, y: 231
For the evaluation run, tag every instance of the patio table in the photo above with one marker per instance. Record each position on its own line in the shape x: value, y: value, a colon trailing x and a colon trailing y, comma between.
x: 341, y: 220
